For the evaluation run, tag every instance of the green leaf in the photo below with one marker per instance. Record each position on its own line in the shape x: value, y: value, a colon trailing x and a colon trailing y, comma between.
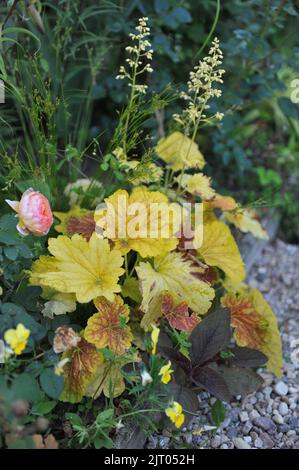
x: 8, y: 222
x: 25, y: 443
x: 105, y: 415
x: 11, y: 252
x: 51, y: 383
x: 25, y: 387
x: 74, y: 419
x: 218, y: 413
x: 161, y: 6
x: 43, y: 407
x: 130, y: 289
x: 182, y: 15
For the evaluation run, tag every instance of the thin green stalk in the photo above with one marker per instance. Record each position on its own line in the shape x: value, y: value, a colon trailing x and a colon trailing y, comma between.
x: 215, y: 22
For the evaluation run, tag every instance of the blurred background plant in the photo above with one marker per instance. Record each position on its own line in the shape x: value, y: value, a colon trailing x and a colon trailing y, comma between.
x: 59, y: 60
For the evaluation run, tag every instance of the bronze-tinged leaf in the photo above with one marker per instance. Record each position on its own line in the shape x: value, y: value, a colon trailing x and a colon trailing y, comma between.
x: 178, y: 316
x: 80, y: 370
x: 212, y: 380
x: 210, y: 336
x: 209, y: 275
x: 83, y: 224
x: 240, y: 381
x: 250, y: 328
x: 108, y: 327
x: 246, y: 357
x: 255, y: 325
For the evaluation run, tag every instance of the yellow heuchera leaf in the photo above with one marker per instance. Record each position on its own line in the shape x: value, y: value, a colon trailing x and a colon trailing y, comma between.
x: 76, y: 220
x: 108, y: 378
x: 255, y: 325
x: 198, y: 184
x: 220, y: 249
x: 174, y: 274
x: 108, y: 328
x: 86, y: 269
x: 133, y: 217
x: 80, y: 370
x: 178, y: 151
x: 246, y: 221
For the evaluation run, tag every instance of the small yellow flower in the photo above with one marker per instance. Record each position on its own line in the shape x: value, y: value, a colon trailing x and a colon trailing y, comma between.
x: 154, y: 337
x: 175, y: 414
x: 166, y: 372
x: 60, y: 366
x: 17, y: 339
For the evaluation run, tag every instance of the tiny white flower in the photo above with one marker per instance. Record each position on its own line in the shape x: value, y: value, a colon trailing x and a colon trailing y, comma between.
x: 119, y: 425
x: 146, y: 378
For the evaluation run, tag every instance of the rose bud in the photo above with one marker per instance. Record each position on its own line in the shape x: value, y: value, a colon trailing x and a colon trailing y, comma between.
x: 34, y: 213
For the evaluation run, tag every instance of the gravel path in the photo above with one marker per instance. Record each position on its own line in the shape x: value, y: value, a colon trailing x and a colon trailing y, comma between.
x: 270, y: 417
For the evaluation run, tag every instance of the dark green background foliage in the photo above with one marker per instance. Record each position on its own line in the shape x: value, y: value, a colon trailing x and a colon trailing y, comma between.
x: 65, y: 93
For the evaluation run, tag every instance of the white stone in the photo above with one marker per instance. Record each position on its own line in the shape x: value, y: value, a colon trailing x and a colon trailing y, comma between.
x: 258, y: 443
x: 281, y: 388
x: 278, y: 419
x: 283, y: 409
x: 240, y: 443
x: 254, y: 414
x: 243, y: 416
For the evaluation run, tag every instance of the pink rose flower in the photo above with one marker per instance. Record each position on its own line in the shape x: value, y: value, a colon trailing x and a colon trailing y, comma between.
x: 34, y: 213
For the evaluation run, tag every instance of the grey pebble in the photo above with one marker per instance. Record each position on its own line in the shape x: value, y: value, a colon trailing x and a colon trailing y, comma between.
x: 264, y: 423
x: 281, y: 388
x: 283, y: 409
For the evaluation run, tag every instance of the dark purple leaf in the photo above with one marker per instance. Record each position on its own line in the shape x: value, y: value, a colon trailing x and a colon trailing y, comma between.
x: 210, y: 379
x: 176, y: 357
x: 210, y: 336
x: 240, y: 381
x: 246, y: 357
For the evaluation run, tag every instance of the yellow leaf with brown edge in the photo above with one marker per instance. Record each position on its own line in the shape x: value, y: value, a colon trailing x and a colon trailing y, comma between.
x: 175, y: 274
x: 108, y: 327
x: 220, y: 249
x: 255, y: 325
